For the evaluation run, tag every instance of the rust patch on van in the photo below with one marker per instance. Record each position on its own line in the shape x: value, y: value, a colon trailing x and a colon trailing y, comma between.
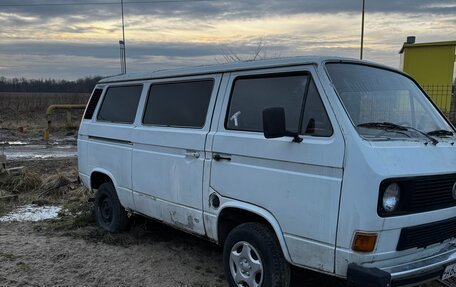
x: 190, y: 224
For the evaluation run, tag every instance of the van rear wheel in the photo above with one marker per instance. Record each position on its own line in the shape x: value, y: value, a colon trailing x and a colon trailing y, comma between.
x: 109, y: 213
x: 252, y: 257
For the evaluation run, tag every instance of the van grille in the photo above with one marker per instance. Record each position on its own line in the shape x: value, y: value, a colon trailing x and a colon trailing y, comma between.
x: 427, y: 234
x: 432, y: 192
x: 420, y: 194
x: 92, y: 104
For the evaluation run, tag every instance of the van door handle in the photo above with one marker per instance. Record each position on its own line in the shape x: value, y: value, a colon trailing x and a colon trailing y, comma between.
x: 194, y: 154
x: 218, y: 157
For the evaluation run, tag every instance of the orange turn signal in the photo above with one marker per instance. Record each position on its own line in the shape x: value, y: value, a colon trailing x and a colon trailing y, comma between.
x: 364, y: 242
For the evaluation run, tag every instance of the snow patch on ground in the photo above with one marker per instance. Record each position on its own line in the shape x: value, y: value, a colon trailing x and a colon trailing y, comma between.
x: 17, y: 143
x: 13, y: 143
x: 32, y: 212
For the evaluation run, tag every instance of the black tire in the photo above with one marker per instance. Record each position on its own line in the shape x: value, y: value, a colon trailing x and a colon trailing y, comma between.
x: 109, y: 213
x: 276, y: 270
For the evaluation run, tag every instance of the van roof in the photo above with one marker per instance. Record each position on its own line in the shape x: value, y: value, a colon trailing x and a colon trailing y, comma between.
x: 221, y: 68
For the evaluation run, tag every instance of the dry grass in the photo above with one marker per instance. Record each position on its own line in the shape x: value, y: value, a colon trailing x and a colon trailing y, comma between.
x: 76, y: 212
x: 26, y: 181
x: 22, y: 185
x: 55, y: 185
x: 7, y: 256
x: 58, y: 189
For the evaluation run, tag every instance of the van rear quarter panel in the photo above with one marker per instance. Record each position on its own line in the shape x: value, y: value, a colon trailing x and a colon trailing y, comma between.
x: 82, y: 145
x: 109, y: 149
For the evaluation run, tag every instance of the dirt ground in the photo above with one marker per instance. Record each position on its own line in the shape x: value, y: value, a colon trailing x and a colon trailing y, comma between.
x: 158, y: 256
x: 31, y: 256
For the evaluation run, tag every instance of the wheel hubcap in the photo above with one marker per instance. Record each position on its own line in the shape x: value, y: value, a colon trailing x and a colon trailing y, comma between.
x: 106, y: 210
x: 245, y: 265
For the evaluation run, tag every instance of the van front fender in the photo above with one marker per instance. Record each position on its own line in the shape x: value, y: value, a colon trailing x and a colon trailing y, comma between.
x: 266, y: 215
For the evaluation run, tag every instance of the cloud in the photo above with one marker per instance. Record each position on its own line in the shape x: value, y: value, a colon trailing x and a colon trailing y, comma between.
x: 235, y: 8
x: 65, y: 41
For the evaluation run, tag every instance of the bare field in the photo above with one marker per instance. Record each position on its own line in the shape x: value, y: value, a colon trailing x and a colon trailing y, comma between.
x: 28, y: 110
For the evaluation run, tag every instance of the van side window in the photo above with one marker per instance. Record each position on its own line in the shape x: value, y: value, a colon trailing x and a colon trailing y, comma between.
x: 120, y: 104
x: 315, y: 120
x: 181, y: 104
x: 90, y: 109
x: 251, y: 95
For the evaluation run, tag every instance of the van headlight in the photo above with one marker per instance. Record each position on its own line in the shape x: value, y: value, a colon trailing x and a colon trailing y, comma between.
x: 391, y: 197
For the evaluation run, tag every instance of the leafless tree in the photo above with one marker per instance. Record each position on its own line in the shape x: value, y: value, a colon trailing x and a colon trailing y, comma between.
x: 260, y: 53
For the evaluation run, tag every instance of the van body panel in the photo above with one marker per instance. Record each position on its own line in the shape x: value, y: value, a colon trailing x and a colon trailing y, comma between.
x: 168, y: 168
x: 310, y: 253
x: 82, y: 149
x: 83, y: 143
x: 113, y: 153
x: 169, y: 176
x: 290, y: 180
x: 209, y: 212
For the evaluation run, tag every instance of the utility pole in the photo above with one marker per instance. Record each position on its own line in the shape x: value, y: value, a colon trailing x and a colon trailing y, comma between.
x: 123, y: 51
x: 122, y: 57
x: 362, y: 32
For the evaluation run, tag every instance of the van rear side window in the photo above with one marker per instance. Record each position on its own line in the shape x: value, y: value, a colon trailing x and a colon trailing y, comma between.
x: 92, y: 104
x: 178, y: 104
x: 120, y: 104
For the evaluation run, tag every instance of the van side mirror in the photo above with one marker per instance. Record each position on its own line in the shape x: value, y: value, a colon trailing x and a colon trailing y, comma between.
x: 274, y: 124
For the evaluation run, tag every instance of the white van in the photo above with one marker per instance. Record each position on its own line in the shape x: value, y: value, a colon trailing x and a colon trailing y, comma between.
x: 335, y: 165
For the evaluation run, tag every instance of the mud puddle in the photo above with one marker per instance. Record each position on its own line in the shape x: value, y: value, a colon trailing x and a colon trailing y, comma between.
x: 36, y: 148
x: 43, y: 151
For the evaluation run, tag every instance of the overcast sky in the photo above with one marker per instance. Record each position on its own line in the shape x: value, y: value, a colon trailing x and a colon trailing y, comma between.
x: 71, y: 41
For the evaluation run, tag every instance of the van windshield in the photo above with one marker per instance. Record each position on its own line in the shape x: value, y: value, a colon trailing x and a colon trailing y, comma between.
x: 384, y: 104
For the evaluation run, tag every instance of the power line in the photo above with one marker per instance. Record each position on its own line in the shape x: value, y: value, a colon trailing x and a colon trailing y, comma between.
x: 102, y: 3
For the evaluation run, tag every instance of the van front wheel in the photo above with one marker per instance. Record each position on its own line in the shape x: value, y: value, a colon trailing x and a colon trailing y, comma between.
x: 109, y: 213
x: 252, y: 257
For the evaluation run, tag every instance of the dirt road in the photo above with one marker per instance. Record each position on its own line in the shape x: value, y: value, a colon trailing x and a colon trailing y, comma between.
x: 18, y: 146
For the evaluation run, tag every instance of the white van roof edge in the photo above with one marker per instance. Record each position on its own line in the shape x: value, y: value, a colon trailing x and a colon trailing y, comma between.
x: 229, y: 67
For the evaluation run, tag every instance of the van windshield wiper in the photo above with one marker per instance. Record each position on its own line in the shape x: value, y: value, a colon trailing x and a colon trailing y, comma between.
x: 440, y: 133
x: 396, y: 127
x: 383, y: 125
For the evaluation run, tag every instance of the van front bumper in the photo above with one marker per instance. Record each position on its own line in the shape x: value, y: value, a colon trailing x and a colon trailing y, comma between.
x: 408, y: 274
